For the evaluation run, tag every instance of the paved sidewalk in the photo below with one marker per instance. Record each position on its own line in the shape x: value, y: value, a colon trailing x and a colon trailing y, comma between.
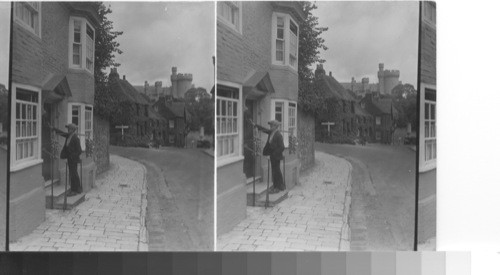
x: 112, y: 217
x: 313, y: 218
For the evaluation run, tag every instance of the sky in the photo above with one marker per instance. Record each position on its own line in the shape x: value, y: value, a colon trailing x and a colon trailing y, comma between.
x: 363, y: 34
x: 4, y: 42
x: 158, y: 36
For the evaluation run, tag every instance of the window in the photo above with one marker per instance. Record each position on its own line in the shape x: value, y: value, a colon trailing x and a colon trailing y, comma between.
x: 26, y: 111
x: 27, y: 14
x: 171, y: 123
x: 430, y: 125
x: 81, y: 35
x: 285, y: 112
x: 285, y: 40
x: 378, y: 135
x: 378, y: 120
x: 229, y: 12
x: 228, y: 120
x: 82, y: 116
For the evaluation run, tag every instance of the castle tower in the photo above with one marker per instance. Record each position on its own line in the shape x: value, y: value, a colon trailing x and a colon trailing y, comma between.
x: 157, y: 92
x: 146, y: 87
x: 180, y: 83
x: 388, y: 79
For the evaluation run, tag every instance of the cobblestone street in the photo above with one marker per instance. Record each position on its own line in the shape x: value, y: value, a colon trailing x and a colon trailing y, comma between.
x: 313, y: 218
x: 112, y: 217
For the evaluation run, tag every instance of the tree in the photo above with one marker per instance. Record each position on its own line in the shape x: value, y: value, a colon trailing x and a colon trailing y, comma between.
x: 310, y: 44
x: 106, y: 46
x: 200, y: 105
x: 404, y: 98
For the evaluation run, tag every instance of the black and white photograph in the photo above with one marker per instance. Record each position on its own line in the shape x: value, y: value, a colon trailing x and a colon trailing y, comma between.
x: 317, y: 126
x: 112, y: 124
x: 4, y: 116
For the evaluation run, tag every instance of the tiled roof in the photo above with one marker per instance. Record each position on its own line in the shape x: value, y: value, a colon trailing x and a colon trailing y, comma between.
x: 127, y: 92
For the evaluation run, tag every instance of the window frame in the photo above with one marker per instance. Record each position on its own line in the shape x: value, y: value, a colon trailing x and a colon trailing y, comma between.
x: 225, y: 21
x: 83, y: 43
x: 237, y: 155
x: 37, y: 33
x: 285, y: 123
x: 81, y: 130
x: 424, y: 163
x: 287, y: 40
x: 16, y: 165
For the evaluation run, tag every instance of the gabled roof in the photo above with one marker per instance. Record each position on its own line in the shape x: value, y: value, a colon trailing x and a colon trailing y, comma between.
x: 335, y: 89
x: 177, y: 108
x: 257, y: 83
x: 378, y: 106
x: 127, y: 92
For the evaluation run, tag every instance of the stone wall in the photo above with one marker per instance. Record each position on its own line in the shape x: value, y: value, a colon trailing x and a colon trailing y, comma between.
x: 306, y: 133
x: 101, y: 144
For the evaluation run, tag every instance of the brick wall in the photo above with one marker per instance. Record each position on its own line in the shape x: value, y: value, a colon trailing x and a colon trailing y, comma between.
x: 239, y: 54
x: 305, y: 133
x: 101, y: 144
x: 428, y: 54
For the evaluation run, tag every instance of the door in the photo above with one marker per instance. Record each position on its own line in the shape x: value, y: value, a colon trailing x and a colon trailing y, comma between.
x: 47, y: 152
x: 248, y: 137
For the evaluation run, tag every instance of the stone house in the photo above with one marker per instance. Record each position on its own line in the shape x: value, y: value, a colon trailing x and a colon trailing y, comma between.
x: 340, y: 122
x: 53, y: 46
x: 257, y: 50
x: 384, y: 116
x: 176, y: 118
x: 144, y: 124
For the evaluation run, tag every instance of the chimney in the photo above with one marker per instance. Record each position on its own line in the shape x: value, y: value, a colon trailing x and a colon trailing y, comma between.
x: 330, y: 73
x: 113, y: 75
x: 320, y: 72
x: 146, y: 86
x: 124, y: 77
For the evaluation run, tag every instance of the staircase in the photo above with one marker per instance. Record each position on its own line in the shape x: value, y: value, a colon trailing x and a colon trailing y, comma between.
x: 260, y: 193
x: 71, y: 202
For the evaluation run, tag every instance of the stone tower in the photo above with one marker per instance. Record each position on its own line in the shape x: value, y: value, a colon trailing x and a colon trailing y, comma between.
x: 387, y: 79
x: 180, y: 83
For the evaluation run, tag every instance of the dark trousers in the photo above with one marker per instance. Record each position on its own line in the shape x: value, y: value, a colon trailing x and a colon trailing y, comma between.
x: 74, y: 178
x: 277, y: 177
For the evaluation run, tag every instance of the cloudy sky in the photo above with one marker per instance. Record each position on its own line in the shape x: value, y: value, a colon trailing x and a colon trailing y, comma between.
x: 158, y: 36
x: 4, y: 41
x: 363, y: 34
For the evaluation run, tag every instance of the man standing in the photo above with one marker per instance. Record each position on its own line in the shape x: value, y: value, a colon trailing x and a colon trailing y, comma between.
x: 274, y: 149
x: 71, y: 151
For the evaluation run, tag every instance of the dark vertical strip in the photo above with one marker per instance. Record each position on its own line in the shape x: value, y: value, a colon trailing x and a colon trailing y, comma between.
x: 284, y: 263
x: 109, y: 263
x: 134, y: 263
x: 417, y: 178
x: 309, y: 263
x: 185, y: 263
x: 234, y: 263
x: 333, y: 263
x: 35, y: 263
x: 60, y: 263
x: 358, y: 263
x: 9, y: 108
x: 85, y: 263
x: 11, y: 263
x: 159, y: 263
x: 259, y: 263
x: 209, y: 263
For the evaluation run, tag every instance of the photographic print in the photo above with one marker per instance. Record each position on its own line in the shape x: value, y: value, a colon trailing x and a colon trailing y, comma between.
x: 4, y: 115
x: 112, y: 126
x: 317, y: 126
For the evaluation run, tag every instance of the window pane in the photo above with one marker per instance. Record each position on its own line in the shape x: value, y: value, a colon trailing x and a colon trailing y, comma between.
x: 235, y: 125
x: 229, y: 108
x: 223, y: 109
x: 23, y: 109
x: 18, y: 110
x: 427, y: 129
x: 229, y: 125
x: 433, y: 129
x: 23, y: 129
x: 433, y: 111
x: 18, y: 129
x: 223, y: 124
x: 34, y: 112
x: 34, y: 128
x: 235, y: 109
x: 426, y: 110
x: 28, y: 128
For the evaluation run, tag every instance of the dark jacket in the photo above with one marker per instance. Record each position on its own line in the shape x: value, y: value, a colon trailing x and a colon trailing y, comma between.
x: 72, y: 149
x: 275, y: 147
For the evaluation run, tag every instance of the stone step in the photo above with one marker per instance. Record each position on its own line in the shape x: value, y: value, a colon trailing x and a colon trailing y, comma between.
x: 274, y: 199
x: 48, y: 183
x: 71, y: 202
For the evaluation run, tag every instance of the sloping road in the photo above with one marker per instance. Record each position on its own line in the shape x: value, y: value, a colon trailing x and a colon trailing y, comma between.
x: 383, y: 195
x: 180, y: 197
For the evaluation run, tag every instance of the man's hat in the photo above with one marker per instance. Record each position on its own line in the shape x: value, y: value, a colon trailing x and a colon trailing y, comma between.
x: 274, y: 122
x: 71, y: 126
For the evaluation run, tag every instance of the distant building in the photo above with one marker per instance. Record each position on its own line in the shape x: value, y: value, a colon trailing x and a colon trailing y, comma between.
x: 176, y: 117
x: 387, y: 80
x: 361, y: 88
x: 384, y: 116
x: 145, y: 125
x: 180, y: 84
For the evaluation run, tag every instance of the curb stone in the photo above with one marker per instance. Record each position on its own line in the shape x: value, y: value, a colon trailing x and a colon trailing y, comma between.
x: 345, y: 237
x: 143, y: 233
